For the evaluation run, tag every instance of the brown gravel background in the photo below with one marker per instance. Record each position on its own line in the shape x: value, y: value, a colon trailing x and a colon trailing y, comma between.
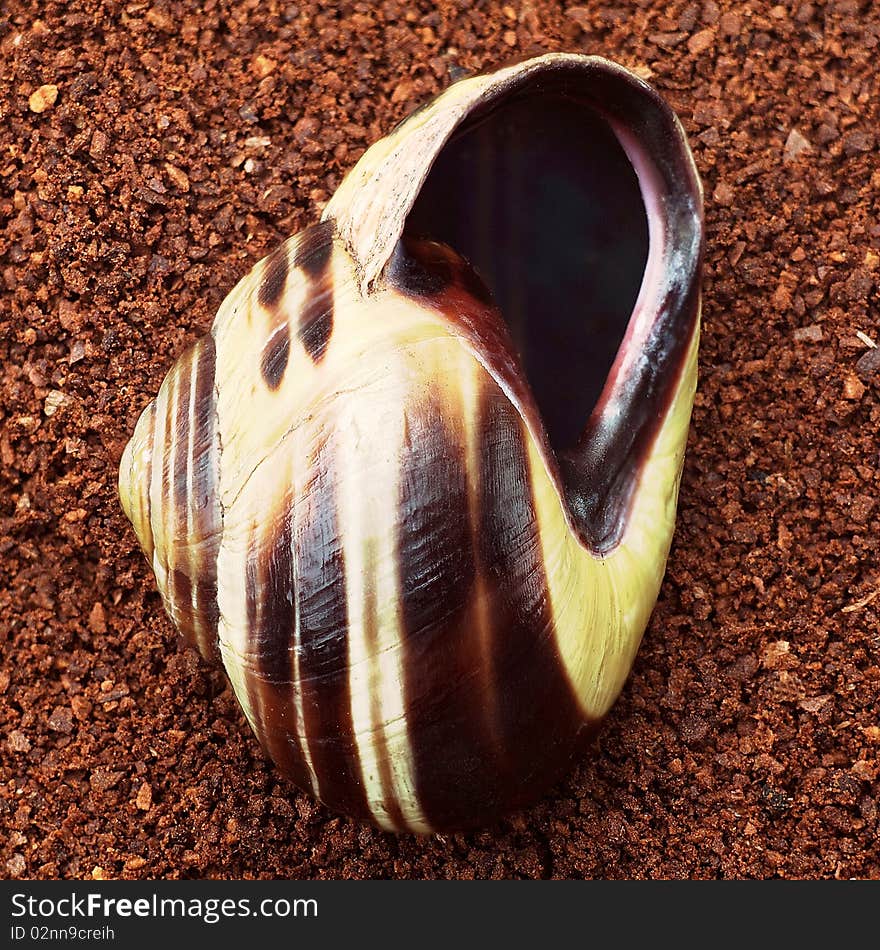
x: 180, y: 148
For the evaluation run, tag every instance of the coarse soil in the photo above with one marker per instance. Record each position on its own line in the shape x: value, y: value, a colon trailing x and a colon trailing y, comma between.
x: 181, y: 143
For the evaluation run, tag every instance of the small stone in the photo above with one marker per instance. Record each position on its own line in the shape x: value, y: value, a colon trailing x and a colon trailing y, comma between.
x: 853, y: 387
x: 730, y: 24
x: 178, y: 177
x: 826, y: 134
x: 795, y: 145
x: 18, y: 741
x: 306, y: 129
x: 54, y: 401
x: 694, y: 729
x: 82, y: 708
x: 509, y: 37
x: 99, y: 874
x: 862, y: 506
x: 774, y: 654
x: 16, y: 865
x: 144, y: 798
x: 77, y: 352
x: 810, y: 334
x: 61, y: 720
x: 581, y: 16
x: 736, y: 252
x: 700, y: 42
x: 104, y: 779
x: 857, y: 141
x: 781, y: 297
x: 865, y: 770
x: 667, y: 40
x: 868, y: 365
x: 43, y: 98
x: 724, y: 194
x: 403, y: 91
x: 815, y: 704
x: 160, y: 19
x: 97, y: 620
x: 99, y: 144
x: 263, y: 66
x: 69, y: 315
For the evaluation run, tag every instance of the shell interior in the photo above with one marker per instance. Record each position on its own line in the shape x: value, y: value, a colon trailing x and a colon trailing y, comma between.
x: 539, y: 195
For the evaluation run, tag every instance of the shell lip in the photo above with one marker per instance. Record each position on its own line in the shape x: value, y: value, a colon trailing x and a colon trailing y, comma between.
x: 598, y: 478
x: 602, y: 473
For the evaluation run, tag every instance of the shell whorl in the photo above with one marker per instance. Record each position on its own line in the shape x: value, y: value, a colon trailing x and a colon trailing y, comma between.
x: 167, y: 482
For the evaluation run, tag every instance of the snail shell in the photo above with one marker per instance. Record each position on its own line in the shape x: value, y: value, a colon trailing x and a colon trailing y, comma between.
x: 421, y: 524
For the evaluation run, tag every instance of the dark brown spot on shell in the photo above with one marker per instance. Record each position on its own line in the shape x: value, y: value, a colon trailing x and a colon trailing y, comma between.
x: 272, y: 637
x: 274, y: 279
x: 314, y: 247
x: 276, y: 353
x: 423, y: 268
x: 316, y: 318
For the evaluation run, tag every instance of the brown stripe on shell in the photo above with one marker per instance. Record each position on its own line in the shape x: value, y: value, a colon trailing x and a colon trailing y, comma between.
x: 538, y: 713
x: 312, y: 257
x: 269, y: 597
x: 450, y: 737
x: 181, y: 570
x: 144, y: 499
x: 503, y: 743
x: 167, y: 460
x: 177, y: 593
x: 190, y: 508
x: 323, y: 648
x: 205, y: 514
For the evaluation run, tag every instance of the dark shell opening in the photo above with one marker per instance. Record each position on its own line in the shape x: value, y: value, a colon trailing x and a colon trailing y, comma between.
x: 573, y: 194
x: 541, y: 199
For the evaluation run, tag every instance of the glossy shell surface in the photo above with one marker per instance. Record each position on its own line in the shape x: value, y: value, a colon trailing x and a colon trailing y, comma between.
x: 347, y: 496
